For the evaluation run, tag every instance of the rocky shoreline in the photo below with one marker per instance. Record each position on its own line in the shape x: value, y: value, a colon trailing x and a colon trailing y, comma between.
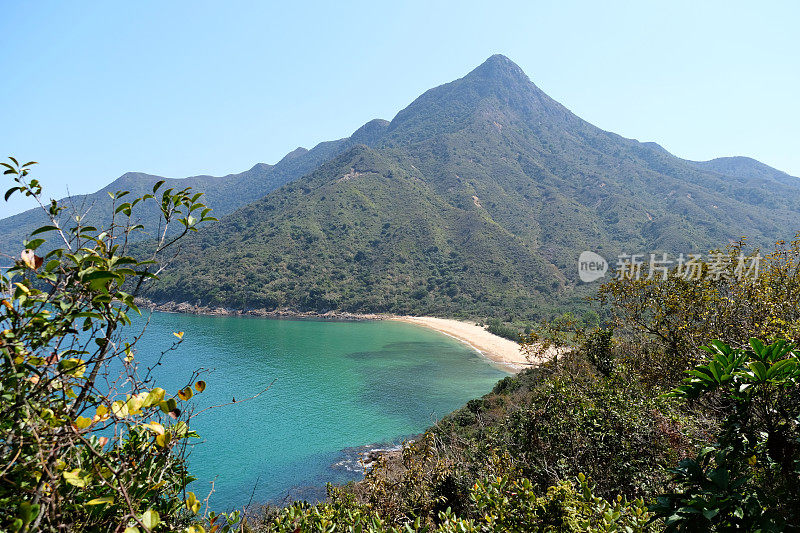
x: 196, y: 309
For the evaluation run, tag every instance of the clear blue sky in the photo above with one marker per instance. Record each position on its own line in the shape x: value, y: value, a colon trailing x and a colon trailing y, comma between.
x: 94, y: 89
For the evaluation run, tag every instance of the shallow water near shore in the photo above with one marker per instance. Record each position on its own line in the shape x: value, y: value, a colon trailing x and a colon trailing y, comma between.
x: 337, y: 389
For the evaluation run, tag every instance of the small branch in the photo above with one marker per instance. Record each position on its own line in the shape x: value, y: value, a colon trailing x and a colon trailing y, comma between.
x: 235, y: 401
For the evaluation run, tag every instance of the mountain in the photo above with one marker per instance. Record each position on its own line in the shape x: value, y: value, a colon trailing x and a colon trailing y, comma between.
x: 475, y: 200
x: 745, y: 167
x: 224, y: 194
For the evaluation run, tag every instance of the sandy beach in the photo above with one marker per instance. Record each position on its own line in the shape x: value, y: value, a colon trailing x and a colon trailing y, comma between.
x: 506, y: 353
x: 498, y: 349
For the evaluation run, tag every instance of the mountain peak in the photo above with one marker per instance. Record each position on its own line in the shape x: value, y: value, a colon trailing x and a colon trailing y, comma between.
x: 498, y: 86
x: 499, y: 67
x: 294, y: 154
x: 370, y: 132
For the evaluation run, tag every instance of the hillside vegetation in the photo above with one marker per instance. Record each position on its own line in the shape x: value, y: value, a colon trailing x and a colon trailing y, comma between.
x: 225, y: 193
x: 475, y: 200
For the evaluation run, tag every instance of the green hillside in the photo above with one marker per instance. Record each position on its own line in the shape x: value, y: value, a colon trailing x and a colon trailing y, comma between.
x: 377, y: 237
x: 475, y: 200
x: 225, y: 193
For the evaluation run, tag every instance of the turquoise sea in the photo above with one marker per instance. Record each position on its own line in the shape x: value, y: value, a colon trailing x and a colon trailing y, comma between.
x: 338, y: 388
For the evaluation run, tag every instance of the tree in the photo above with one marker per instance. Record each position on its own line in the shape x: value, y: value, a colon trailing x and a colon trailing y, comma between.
x: 666, y: 320
x: 749, y: 479
x: 87, y: 441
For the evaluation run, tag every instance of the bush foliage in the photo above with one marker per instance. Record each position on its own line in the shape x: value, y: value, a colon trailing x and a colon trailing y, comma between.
x: 87, y: 441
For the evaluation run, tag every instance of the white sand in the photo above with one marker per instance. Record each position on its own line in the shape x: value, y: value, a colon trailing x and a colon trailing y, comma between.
x: 498, y: 349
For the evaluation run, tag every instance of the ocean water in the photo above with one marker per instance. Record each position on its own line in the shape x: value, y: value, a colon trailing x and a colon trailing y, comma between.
x: 338, y: 389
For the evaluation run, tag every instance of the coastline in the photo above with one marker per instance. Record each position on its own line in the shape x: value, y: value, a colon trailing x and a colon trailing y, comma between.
x: 503, y: 352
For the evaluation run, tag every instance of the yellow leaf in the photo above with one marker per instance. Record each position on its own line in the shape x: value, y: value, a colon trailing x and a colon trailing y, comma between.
x: 83, y: 422
x: 192, y: 503
x: 154, y: 397
x: 162, y: 440
x: 101, y: 501
x: 101, y: 413
x: 200, y: 386
x: 134, y: 403
x: 155, y: 427
x: 120, y: 409
x: 178, y: 334
x: 185, y: 394
x: 132, y: 529
x: 74, y: 478
x: 23, y: 288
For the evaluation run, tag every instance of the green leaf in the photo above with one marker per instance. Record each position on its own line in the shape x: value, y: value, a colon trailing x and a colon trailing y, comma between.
x: 150, y: 519
x: 716, y: 370
x: 779, y: 367
x: 757, y: 345
x: 168, y: 405
x: 759, y: 370
x: 34, y: 244
x: 700, y: 374
x: 99, y: 279
x: 720, y: 477
x: 721, y: 347
x: 28, y: 512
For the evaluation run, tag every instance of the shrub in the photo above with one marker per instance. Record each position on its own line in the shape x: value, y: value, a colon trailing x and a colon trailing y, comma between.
x: 501, y: 503
x: 665, y: 321
x: 598, y: 349
x: 749, y: 479
x: 75, y: 453
x: 500, y: 329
